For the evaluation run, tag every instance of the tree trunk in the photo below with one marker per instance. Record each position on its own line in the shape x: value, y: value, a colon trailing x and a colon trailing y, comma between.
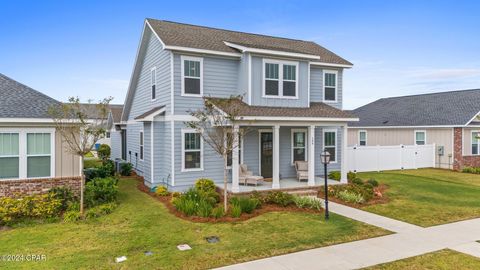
x: 82, y: 184
x: 225, y: 197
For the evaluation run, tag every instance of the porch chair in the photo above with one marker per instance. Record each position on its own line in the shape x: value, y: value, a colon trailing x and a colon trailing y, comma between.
x: 302, y: 170
x: 246, y: 177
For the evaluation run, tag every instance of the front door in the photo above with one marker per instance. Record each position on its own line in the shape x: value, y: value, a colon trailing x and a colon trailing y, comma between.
x: 266, y: 151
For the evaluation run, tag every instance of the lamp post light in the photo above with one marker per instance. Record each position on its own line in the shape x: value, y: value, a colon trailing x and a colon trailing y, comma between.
x: 325, y: 158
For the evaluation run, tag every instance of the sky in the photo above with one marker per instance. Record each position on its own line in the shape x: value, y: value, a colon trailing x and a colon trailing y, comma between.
x: 87, y: 48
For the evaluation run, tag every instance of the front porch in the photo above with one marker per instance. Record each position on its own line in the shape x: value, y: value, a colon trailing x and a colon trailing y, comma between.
x: 285, y: 184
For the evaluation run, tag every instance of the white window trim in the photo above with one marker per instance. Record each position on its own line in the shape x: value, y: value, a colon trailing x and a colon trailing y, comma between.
x: 415, y: 136
x: 359, y: 138
x: 336, y: 143
x: 241, y: 148
x: 280, y: 78
x: 326, y: 71
x: 183, y: 169
x: 22, y: 150
x: 154, y: 69
x: 471, y: 143
x: 182, y: 72
x: 141, y: 145
x: 292, y: 143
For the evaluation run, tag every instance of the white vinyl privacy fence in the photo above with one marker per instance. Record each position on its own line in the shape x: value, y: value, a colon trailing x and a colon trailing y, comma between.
x: 394, y: 157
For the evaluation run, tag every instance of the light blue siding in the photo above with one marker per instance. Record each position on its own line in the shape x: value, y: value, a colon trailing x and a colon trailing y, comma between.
x: 152, y: 55
x: 257, y: 87
x: 162, y: 153
x: 116, y: 144
x: 319, y: 148
x: 220, y: 79
x: 133, y: 147
x: 316, y: 86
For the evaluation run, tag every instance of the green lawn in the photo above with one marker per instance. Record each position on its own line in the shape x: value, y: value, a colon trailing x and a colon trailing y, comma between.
x: 440, y: 260
x: 141, y: 223
x: 428, y: 197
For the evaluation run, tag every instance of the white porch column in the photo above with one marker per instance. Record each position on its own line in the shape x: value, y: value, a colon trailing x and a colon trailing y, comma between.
x: 343, y: 178
x: 235, y: 167
x: 311, y: 155
x: 276, y: 157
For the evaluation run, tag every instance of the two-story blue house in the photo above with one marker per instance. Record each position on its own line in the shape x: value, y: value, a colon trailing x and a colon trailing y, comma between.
x: 292, y: 104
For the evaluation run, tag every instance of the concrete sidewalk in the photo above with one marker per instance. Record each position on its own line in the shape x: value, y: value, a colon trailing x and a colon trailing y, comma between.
x: 410, y: 240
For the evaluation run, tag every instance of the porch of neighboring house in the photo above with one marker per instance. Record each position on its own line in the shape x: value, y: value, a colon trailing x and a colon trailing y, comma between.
x: 270, y: 152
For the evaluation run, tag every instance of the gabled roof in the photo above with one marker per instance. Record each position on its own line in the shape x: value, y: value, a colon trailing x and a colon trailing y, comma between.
x: 455, y: 108
x: 316, y: 110
x: 150, y: 114
x: 20, y: 101
x: 214, y: 39
x: 116, y: 111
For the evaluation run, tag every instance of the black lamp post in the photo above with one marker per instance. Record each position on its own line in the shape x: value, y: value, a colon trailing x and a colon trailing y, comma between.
x: 325, y: 157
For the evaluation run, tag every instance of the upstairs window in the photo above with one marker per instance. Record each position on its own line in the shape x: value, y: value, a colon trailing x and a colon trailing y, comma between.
x: 330, y: 86
x: 475, y: 143
x: 9, y: 155
x: 420, y: 137
x: 362, y: 138
x: 330, y: 144
x: 192, y: 76
x: 153, y: 82
x: 280, y: 79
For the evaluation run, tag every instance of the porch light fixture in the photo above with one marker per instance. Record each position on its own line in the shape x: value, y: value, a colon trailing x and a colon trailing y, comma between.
x: 325, y: 158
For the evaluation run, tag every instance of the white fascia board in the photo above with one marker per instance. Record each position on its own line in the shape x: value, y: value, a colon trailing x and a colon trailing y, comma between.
x: 393, y: 127
x: 330, y: 64
x: 150, y: 117
x: 195, y: 50
x: 473, y: 118
x: 29, y: 120
x: 282, y: 118
x: 271, y: 52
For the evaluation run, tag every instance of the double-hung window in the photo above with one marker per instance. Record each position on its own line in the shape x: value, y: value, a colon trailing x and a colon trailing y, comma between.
x: 9, y: 155
x: 153, y: 82
x: 141, y: 145
x: 280, y: 79
x: 420, y: 137
x: 192, y: 150
x: 362, y: 138
x: 330, y: 86
x: 38, y: 154
x: 475, y: 143
x: 330, y: 143
x: 299, y: 145
x: 192, y: 76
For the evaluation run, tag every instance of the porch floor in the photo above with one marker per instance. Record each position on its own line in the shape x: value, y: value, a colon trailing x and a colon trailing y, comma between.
x: 285, y: 183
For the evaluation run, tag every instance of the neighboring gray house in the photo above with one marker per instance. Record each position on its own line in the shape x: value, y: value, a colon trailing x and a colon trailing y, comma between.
x: 292, y: 89
x: 116, y: 132
x: 447, y: 119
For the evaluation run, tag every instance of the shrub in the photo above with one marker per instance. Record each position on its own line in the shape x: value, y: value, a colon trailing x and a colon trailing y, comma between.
x: 236, y: 210
x: 205, y: 184
x: 35, y: 206
x: 334, y: 175
x: 373, y: 182
x: 350, y: 197
x: 357, y: 181
x: 101, y: 190
x: 351, y: 175
x: 185, y: 205
x: 204, y: 209
x: 104, y: 151
x: 307, y: 202
x: 475, y: 170
x: 91, y: 213
x: 162, y: 191
x: 176, y: 194
x: 73, y: 206
x: 107, y: 208
x: 126, y: 168
x: 248, y: 205
x: 218, y: 212
x: 280, y: 198
x: 64, y: 194
x: 365, y: 191
x: 71, y: 216
x: 108, y: 168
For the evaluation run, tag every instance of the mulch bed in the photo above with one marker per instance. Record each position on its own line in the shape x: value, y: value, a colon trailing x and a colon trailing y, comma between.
x: 375, y: 200
x: 265, y: 208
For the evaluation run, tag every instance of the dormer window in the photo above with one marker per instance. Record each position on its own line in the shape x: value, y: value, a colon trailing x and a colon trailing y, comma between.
x: 192, y: 76
x: 280, y: 79
x: 330, y: 86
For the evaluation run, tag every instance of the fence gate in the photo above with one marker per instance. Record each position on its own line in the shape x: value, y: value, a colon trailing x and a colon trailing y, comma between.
x: 392, y: 157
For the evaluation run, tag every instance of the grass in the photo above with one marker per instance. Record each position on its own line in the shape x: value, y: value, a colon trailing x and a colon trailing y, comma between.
x: 440, y: 260
x: 92, y: 163
x: 428, y: 197
x: 141, y: 223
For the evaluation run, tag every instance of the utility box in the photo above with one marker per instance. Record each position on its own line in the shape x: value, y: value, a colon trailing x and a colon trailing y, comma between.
x: 440, y: 150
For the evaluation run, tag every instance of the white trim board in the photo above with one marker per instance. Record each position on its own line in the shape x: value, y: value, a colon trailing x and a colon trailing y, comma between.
x: 183, y: 132
x: 271, y: 52
x: 184, y: 58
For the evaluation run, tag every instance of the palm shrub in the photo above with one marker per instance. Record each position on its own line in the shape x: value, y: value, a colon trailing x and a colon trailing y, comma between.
x: 218, y: 212
x: 236, y: 210
x: 186, y: 205
x: 350, y: 197
x: 247, y: 205
x: 204, y: 209
x: 307, y: 202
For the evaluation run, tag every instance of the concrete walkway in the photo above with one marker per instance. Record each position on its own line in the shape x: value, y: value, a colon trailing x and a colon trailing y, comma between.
x: 410, y: 240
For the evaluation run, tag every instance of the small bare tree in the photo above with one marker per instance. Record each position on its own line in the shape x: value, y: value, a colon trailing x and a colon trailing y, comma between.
x: 215, y: 125
x: 81, y: 126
